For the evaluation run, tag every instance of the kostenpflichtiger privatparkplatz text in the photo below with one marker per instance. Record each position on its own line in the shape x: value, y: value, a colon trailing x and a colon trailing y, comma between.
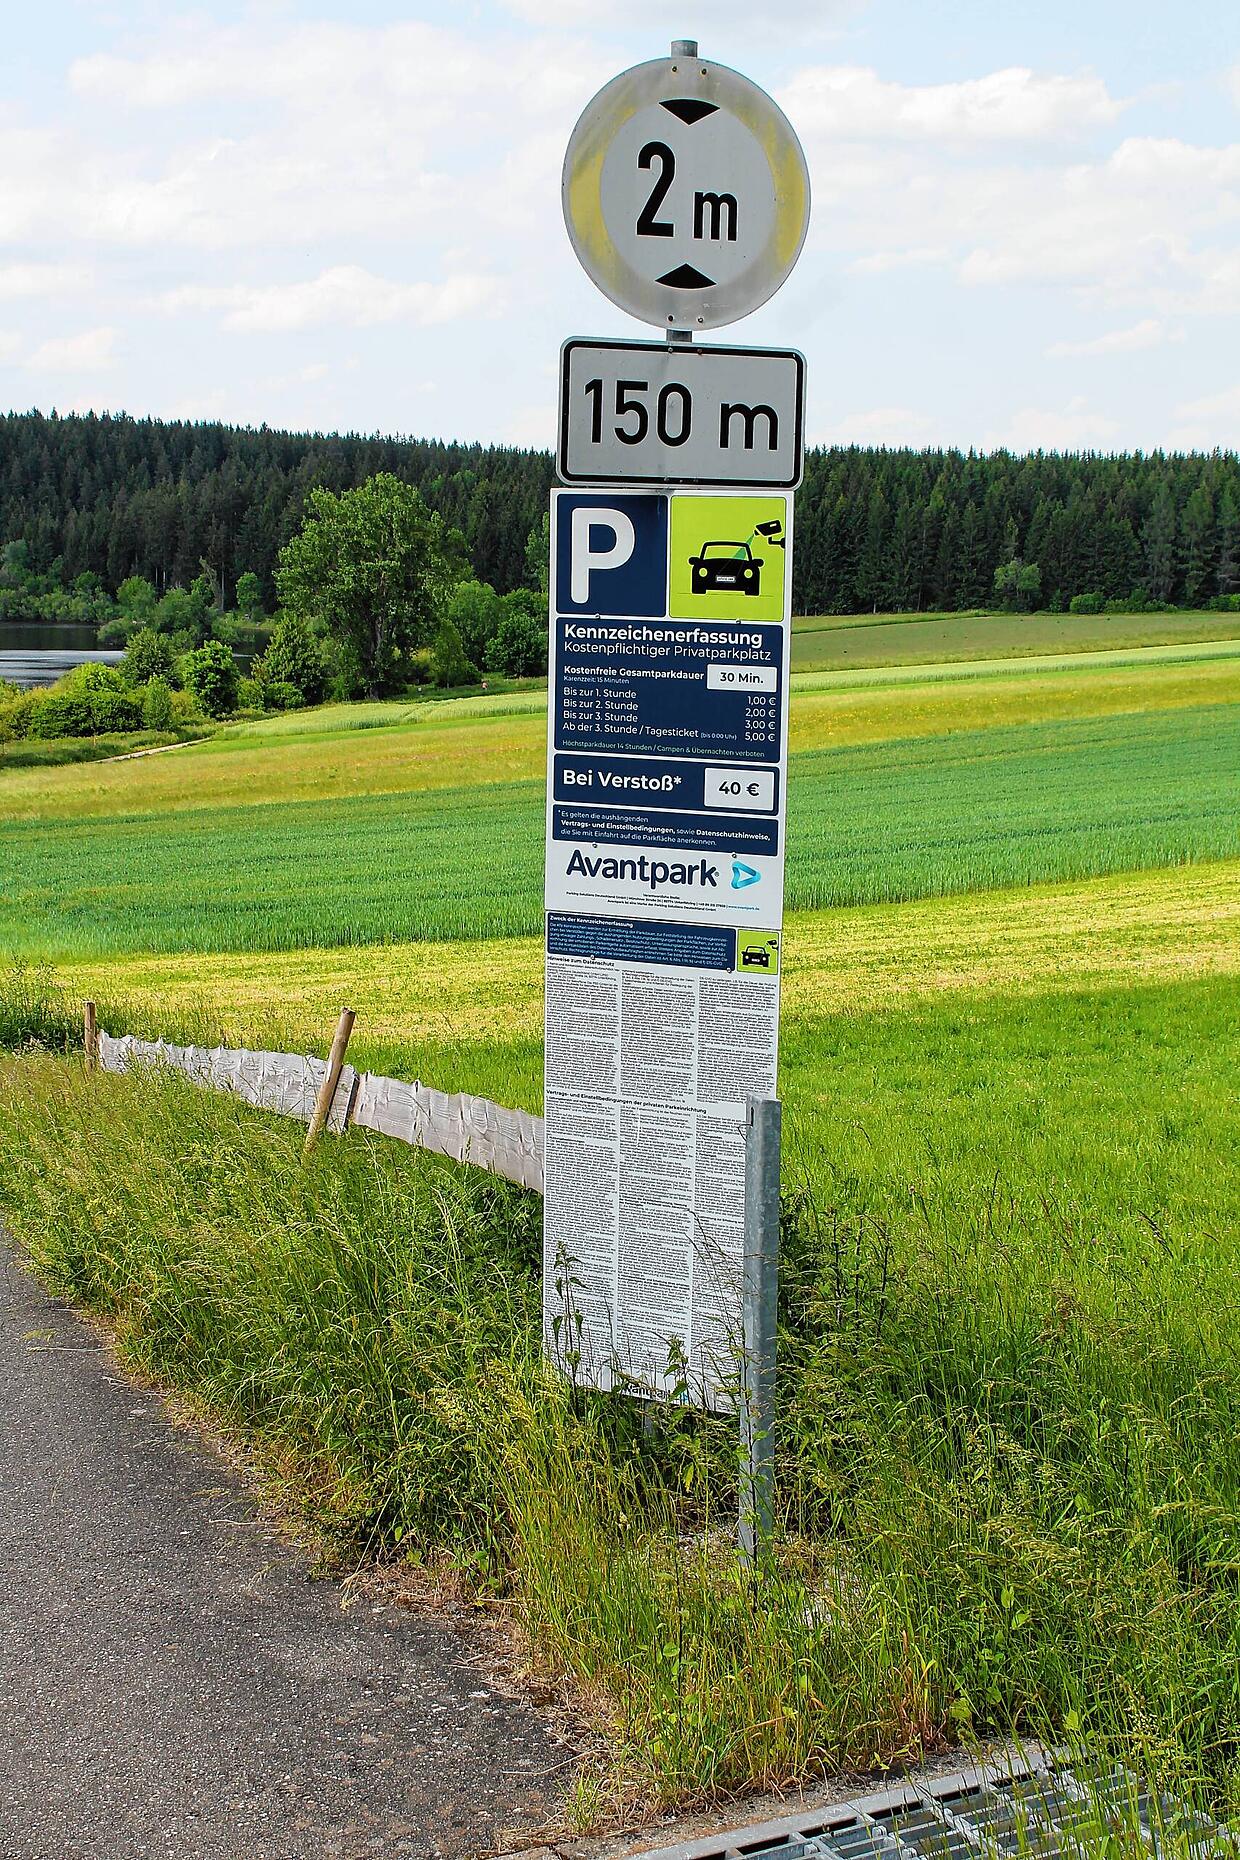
x: 655, y: 642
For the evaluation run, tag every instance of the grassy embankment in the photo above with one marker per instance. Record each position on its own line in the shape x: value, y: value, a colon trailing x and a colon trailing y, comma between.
x: 319, y: 755
x: 1009, y: 1471
x: 60, y: 751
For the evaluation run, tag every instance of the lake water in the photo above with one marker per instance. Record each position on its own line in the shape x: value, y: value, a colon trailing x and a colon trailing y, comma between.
x: 39, y: 655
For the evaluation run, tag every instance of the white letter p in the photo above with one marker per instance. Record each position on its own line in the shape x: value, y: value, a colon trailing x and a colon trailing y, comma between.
x: 585, y: 559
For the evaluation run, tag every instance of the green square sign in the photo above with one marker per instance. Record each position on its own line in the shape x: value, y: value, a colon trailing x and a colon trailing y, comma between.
x: 757, y: 952
x: 729, y: 558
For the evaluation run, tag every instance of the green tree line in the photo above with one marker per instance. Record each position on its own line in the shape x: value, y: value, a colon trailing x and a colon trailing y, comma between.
x: 377, y: 596
x: 110, y: 498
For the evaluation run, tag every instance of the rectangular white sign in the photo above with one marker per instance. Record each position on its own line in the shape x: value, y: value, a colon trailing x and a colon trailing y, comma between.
x: 666, y: 777
x: 651, y: 413
x: 655, y: 1038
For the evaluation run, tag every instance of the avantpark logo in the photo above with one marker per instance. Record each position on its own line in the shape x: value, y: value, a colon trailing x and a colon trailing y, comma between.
x: 653, y: 873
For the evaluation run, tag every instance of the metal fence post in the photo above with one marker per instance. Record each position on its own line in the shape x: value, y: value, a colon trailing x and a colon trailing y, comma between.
x: 760, y: 1294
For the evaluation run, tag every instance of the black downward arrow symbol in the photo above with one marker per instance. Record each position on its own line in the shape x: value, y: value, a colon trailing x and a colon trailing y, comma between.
x: 690, y: 109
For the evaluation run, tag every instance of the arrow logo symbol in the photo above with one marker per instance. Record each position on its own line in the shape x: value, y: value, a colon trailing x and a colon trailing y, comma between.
x: 743, y: 875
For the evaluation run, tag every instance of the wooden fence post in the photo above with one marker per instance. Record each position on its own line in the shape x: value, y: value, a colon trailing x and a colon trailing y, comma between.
x: 90, y: 1036
x: 327, y: 1091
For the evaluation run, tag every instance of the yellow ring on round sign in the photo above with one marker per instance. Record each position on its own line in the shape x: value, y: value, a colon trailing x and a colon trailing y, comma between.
x: 599, y: 124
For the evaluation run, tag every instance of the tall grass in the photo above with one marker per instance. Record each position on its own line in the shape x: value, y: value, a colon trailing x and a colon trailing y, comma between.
x: 1009, y: 1445
x: 867, y: 824
x: 34, y: 1011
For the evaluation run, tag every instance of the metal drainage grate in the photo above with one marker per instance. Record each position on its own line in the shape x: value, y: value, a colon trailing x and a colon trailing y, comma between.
x: 1029, y: 1810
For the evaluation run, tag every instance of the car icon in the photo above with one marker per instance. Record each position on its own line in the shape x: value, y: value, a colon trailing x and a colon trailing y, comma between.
x: 725, y: 567
x: 755, y: 957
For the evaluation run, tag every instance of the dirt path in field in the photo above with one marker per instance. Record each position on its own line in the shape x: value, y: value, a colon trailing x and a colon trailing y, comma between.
x: 160, y: 749
x: 176, y: 1681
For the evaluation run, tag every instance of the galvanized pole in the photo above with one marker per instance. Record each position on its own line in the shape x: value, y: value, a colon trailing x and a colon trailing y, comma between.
x: 682, y: 48
x: 760, y: 1293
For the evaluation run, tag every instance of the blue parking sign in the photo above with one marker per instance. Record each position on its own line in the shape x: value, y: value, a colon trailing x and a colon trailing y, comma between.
x: 610, y: 553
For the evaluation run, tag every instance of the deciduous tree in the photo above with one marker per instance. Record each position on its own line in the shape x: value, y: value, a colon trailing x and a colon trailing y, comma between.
x: 375, y: 567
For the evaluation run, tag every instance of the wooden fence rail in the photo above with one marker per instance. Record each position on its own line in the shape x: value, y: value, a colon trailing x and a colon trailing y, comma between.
x: 470, y: 1130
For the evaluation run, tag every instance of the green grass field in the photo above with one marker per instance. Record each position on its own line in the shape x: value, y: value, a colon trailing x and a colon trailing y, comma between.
x: 344, y: 750
x: 868, y: 823
x: 830, y: 642
x: 1009, y: 1475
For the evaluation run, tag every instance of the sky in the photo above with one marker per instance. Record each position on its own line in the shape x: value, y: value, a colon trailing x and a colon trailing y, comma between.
x: 346, y: 217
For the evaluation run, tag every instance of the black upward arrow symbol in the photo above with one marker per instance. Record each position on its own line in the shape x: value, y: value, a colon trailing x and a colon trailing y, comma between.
x: 686, y: 278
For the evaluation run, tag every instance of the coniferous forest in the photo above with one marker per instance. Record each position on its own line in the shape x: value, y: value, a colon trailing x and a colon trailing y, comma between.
x: 899, y: 531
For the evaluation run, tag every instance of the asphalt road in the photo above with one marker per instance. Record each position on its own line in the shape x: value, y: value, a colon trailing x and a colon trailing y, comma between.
x: 174, y: 1680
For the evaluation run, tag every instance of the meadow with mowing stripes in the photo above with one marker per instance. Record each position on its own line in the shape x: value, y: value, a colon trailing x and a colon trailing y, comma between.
x: 342, y: 750
x: 471, y: 1011
x: 867, y: 823
x: 840, y: 641
x: 1010, y: 1309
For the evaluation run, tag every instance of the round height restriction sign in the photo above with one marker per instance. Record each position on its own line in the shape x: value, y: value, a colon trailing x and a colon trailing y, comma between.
x: 686, y: 193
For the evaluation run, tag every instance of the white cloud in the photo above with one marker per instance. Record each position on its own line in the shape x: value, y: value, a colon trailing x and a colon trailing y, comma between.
x: 877, y: 262
x: 530, y: 426
x: 42, y: 280
x: 10, y: 344
x: 202, y: 63
x: 1129, y: 223
x: 1154, y: 224
x: 285, y: 174
x: 1226, y: 403
x: 70, y: 355
x: 345, y: 294
x: 1074, y: 428
x: 851, y: 102
x: 433, y: 73
x: 877, y: 426
x: 1149, y: 333
x: 1211, y: 420
x: 294, y: 133
x: 828, y: 15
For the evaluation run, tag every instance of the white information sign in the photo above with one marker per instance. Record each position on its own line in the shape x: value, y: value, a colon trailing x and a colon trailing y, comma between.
x: 686, y: 193
x: 649, y: 1064
x: 644, y: 413
x: 666, y: 775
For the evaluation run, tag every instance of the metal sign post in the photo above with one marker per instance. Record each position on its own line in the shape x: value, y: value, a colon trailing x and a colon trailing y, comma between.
x: 761, y: 1296
x: 686, y: 198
